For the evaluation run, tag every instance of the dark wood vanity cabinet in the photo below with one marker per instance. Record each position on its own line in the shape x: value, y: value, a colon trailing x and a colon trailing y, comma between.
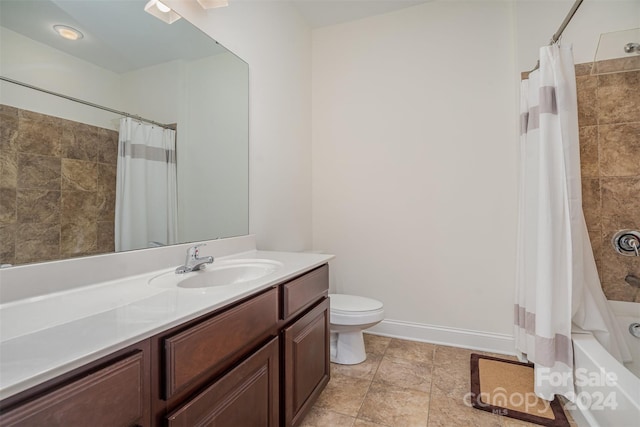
x: 306, y: 362
x: 113, y: 391
x: 246, y: 396
x: 260, y: 362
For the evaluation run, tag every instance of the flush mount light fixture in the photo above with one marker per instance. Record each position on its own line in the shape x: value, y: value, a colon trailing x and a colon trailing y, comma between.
x: 161, y: 11
x: 212, y: 4
x: 68, y: 33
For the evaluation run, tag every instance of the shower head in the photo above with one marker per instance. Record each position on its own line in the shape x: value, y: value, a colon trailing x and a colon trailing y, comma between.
x: 632, y: 47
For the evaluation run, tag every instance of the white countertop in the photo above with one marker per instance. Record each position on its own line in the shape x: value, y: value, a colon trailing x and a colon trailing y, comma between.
x: 47, y: 335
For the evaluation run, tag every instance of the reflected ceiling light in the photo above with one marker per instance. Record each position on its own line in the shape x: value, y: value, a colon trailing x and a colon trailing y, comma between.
x: 161, y: 11
x: 212, y: 4
x: 68, y: 33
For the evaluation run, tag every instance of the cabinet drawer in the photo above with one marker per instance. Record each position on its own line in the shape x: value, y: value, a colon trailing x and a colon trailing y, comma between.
x: 112, y: 396
x: 213, y: 343
x: 302, y: 292
x: 246, y: 396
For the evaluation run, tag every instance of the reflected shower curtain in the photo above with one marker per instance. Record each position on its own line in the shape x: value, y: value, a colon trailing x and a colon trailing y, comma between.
x: 146, y: 195
x: 557, y: 281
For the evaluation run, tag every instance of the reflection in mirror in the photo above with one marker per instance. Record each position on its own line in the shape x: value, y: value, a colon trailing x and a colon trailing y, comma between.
x: 61, y: 169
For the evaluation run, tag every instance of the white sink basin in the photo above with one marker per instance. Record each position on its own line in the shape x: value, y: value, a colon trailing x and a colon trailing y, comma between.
x: 220, y: 273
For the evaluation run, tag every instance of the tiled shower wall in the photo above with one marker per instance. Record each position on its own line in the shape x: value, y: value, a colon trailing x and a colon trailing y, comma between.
x: 609, y: 119
x: 57, y: 187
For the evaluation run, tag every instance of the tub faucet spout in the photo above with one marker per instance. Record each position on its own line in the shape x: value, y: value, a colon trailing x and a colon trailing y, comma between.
x: 193, y: 261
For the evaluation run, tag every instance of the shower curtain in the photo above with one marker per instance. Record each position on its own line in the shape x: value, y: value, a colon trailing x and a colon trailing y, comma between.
x: 146, y: 195
x: 557, y: 281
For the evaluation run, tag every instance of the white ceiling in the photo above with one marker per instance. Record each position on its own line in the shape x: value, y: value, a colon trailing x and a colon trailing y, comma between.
x: 109, y: 25
x: 118, y: 35
x: 320, y: 13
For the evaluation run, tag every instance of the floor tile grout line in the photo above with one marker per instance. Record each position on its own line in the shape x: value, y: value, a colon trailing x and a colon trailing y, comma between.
x: 371, y: 382
x: 433, y: 361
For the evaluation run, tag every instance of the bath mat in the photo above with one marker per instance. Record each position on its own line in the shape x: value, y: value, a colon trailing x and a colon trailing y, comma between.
x: 505, y: 387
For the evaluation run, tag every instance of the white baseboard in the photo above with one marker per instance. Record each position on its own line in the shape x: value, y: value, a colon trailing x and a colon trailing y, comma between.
x: 474, y: 340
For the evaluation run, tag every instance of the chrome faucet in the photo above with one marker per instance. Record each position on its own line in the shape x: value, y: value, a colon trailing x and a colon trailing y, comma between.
x: 194, y: 262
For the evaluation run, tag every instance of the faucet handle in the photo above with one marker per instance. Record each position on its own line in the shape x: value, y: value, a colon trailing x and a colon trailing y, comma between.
x: 193, y: 251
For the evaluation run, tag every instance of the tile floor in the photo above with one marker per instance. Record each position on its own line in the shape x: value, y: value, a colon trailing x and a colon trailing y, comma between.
x: 403, y: 384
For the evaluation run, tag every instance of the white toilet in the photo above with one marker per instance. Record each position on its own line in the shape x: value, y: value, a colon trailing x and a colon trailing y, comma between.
x: 349, y: 316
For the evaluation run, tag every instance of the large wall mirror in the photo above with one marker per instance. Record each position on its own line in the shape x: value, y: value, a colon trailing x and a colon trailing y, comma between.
x: 66, y: 167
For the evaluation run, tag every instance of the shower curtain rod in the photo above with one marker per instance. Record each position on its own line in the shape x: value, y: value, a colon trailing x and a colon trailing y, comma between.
x: 556, y: 36
x: 90, y: 104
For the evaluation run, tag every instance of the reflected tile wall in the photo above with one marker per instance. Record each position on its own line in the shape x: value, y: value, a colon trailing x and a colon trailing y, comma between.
x: 609, y: 119
x: 57, y: 187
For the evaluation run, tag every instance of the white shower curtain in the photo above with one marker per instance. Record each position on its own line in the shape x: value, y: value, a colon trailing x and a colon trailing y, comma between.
x: 146, y: 195
x: 557, y: 281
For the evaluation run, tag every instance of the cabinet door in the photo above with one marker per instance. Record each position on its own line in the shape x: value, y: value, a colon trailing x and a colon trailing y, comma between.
x: 214, y: 344
x: 110, y: 397
x: 306, y: 354
x: 246, y: 396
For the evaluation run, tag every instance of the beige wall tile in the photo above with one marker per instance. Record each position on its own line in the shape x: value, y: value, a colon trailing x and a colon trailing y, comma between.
x: 7, y: 243
x: 39, y: 134
x: 587, y: 100
x: 79, y: 207
x: 619, y: 291
x: 8, y: 206
x: 8, y: 168
x: 620, y: 149
x: 79, y: 238
x: 37, y: 242
x: 79, y: 175
x: 619, y: 97
x: 106, y: 237
x: 38, y: 206
x: 58, y: 154
x: 584, y: 69
x: 591, y: 203
x: 107, y: 147
x: 620, y: 203
x: 589, y: 166
x: 35, y: 171
x: 107, y: 177
x: 106, y: 204
x: 8, y: 128
x: 80, y: 141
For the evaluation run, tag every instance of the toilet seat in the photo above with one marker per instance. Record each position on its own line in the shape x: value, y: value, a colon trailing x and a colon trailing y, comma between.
x: 354, y: 310
x: 353, y: 303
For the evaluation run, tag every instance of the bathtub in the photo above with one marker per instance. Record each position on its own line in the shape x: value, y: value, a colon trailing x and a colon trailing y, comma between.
x: 608, y: 391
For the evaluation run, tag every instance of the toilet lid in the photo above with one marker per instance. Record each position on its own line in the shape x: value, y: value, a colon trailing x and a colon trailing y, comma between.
x: 352, y: 303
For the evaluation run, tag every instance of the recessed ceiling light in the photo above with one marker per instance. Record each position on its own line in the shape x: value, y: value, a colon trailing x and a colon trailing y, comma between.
x: 161, y: 11
x: 162, y: 7
x: 211, y: 4
x: 68, y: 33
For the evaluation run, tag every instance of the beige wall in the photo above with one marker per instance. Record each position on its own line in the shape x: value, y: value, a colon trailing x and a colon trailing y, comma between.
x: 57, y: 187
x: 414, y: 152
x: 609, y: 119
x: 414, y: 162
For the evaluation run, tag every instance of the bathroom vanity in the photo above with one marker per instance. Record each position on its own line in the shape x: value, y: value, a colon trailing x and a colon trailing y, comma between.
x: 254, y: 356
